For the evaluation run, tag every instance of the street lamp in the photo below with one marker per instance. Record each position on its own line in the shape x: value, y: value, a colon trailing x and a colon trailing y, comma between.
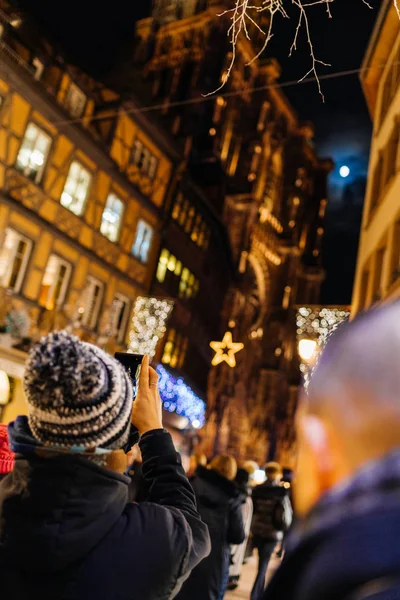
x: 307, y: 349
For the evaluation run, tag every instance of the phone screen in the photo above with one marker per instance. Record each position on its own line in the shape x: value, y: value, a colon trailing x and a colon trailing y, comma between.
x: 132, y: 364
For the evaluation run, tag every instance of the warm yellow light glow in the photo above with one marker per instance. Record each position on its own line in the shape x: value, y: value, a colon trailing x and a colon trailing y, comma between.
x: 225, y: 351
x: 4, y: 388
x: 307, y: 349
x: 213, y: 131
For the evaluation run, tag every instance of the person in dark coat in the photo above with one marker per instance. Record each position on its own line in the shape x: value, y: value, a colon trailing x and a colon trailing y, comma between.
x: 272, y: 516
x: 238, y: 551
x: 347, y: 491
x: 7, y: 456
x: 67, y: 531
x: 220, y: 505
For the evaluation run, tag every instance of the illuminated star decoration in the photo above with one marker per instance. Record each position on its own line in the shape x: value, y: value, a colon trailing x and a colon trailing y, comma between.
x: 225, y: 351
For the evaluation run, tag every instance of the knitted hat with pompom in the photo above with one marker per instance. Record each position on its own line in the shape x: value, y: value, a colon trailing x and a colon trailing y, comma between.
x: 78, y: 396
x: 7, y: 457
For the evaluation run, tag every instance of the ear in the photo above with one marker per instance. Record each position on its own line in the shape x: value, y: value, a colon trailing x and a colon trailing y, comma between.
x: 322, y: 444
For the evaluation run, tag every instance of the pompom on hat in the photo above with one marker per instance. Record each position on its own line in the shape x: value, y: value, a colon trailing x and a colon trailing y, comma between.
x: 7, y: 456
x: 78, y: 396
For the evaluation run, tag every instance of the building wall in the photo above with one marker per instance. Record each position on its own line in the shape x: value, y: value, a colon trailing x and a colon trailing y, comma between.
x: 255, y: 166
x: 378, y: 267
x: 119, y: 157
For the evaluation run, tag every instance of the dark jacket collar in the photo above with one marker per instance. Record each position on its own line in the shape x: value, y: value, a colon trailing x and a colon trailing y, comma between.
x: 62, y: 506
x: 223, y: 484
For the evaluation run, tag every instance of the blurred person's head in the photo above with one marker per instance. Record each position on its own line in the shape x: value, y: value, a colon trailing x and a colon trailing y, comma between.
x: 352, y: 412
x: 242, y: 477
x: 251, y: 467
x: 197, y: 460
x: 273, y: 472
x: 79, y: 398
x: 224, y: 465
x: 7, y: 456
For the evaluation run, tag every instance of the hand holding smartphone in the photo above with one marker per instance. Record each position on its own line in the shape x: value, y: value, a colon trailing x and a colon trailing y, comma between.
x: 147, y: 407
x: 132, y: 364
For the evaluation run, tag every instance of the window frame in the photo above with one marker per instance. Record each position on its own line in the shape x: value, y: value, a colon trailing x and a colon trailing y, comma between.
x: 147, y: 227
x: 24, y: 264
x: 65, y: 283
x: 75, y: 89
x: 120, y: 333
x: 144, y: 160
x: 118, y: 234
x: 25, y: 170
x: 82, y: 167
x: 91, y: 321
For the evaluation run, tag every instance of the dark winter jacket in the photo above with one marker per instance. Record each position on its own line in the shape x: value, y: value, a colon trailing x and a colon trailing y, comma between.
x: 271, y: 507
x: 348, y: 548
x: 137, y: 491
x: 67, y: 532
x: 220, y: 506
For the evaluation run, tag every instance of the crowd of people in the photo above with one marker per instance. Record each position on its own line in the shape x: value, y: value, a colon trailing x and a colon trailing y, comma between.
x: 85, y: 515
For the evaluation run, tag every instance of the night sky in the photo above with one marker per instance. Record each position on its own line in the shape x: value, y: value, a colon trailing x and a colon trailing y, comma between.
x: 99, y: 38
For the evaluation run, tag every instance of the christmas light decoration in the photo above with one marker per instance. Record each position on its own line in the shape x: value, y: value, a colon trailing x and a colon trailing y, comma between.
x: 225, y: 351
x: 149, y: 320
x: 315, y: 325
x: 179, y: 398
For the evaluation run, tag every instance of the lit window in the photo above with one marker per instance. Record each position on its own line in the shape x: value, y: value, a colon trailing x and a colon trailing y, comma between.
x: 76, y: 188
x: 184, y: 213
x: 188, y: 285
x: 14, y: 257
x: 112, y: 218
x: 33, y: 152
x: 142, y: 244
x: 162, y: 266
x: 190, y: 220
x: 166, y: 263
x: 75, y: 101
x: 142, y: 158
x: 120, y: 315
x: 39, y: 68
x: 176, y: 211
x: 175, y: 350
x: 55, y: 282
x: 196, y: 229
x: 92, y: 302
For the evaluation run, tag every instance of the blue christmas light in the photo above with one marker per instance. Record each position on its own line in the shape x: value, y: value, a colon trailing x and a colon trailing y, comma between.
x: 179, y: 398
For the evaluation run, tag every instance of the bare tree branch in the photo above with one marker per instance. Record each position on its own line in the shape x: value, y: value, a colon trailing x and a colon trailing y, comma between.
x: 247, y: 12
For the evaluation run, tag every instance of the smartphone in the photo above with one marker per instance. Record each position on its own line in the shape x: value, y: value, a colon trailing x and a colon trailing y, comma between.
x: 132, y: 364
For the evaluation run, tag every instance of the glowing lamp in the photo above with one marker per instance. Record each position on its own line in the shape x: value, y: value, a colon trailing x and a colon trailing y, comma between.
x: 259, y: 476
x: 307, y: 349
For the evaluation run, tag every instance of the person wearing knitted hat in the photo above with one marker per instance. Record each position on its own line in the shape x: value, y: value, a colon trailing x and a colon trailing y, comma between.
x: 7, y: 457
x: 67, y: 529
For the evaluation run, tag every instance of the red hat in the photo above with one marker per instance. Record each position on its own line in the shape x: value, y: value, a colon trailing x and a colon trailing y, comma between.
x: 7, y: 456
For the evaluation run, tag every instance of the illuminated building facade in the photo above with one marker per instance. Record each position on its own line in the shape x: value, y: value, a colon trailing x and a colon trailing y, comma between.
x: 80, y: 205
x: 250, y: 175
x: 378, y: 268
